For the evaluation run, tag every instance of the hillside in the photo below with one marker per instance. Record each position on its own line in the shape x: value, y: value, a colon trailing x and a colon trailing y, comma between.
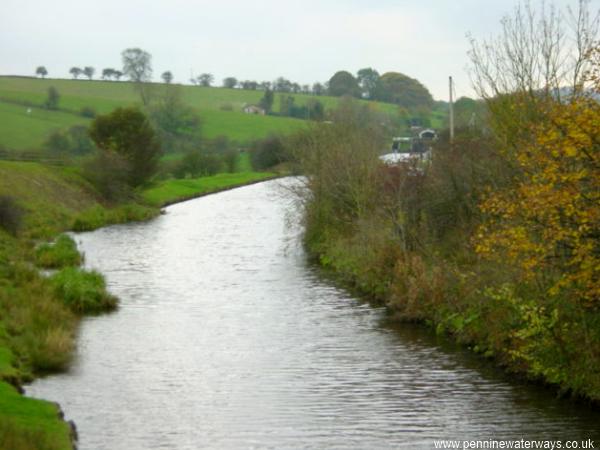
x: 220, y: 109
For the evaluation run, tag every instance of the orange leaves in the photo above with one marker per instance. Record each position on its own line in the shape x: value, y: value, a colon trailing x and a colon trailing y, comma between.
x: 549, y: 218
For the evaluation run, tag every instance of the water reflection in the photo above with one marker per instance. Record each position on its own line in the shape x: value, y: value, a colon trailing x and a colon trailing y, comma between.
x: 226, y: 339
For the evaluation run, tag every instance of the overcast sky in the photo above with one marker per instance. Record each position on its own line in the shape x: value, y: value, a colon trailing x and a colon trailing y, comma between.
x: 304, y: 41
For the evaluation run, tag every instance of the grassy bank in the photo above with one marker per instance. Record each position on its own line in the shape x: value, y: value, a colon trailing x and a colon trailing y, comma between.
x: 172, y: 191
x: 39, y: 315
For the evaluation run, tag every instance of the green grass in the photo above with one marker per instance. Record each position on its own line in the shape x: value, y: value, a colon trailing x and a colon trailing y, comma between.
x: 84, y: 292
x: 27, y: 423
x: 98, y: 216
x: 22, y: 131
x: 50, y: 196
x: 19, y: 130
x: 61, y: 253
x: 172, y: 190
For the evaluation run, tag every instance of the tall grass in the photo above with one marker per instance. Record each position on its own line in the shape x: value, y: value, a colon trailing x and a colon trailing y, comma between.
x: 61, y: 253
x: 82, y: 291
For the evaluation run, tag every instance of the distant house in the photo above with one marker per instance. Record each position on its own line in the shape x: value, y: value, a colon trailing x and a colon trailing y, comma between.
x: 253, y: 109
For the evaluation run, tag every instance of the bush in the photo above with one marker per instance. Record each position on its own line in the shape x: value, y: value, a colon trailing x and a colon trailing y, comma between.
x: 61, y: 253
x: 74, y: 141
x: 11, y: 214
x: 88, y: 112
x: 226, y: 107
x: 80, y: 142
x: 53, y: 98
x: 128, y: 134
x: 108, y: 173
x: 197, y: 163
x: 268, y: 152
x: 83, y: 291
x: 57, y: 142
x: 231, y: 159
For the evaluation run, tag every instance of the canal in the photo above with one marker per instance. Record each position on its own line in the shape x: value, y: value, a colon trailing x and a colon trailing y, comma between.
x: 227, y: 338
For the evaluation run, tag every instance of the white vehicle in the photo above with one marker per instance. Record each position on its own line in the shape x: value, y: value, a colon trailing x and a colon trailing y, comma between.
x: 407, y: 149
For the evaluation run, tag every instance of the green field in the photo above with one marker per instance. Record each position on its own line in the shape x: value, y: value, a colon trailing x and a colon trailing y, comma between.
x: 21, y: 130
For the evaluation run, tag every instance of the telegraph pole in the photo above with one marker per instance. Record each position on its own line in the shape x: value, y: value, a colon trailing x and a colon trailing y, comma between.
x: 451, y: 111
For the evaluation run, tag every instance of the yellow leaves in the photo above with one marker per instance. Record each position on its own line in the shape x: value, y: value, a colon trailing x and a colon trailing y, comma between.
x: 550, y: 216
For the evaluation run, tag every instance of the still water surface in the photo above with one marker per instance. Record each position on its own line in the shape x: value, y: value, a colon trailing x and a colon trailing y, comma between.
x: 226, y: 338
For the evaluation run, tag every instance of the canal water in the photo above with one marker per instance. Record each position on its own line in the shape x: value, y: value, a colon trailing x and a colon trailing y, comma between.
x: 227, y: 338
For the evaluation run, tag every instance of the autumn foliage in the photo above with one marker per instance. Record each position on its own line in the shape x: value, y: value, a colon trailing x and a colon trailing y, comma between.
x: 547, y: 221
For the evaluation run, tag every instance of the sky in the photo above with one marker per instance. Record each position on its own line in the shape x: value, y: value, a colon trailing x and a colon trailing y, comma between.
x: 304, y: 41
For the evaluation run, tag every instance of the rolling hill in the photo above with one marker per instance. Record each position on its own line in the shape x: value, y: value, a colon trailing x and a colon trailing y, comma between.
x: 25, y: 123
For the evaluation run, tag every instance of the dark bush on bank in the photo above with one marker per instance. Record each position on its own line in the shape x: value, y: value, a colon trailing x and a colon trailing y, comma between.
x: 268, y: 152
x: 108, y: 173
x: 11, y: 214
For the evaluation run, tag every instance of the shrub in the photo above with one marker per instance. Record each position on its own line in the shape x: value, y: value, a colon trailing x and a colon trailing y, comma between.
x: 57, y: 142
x: 83, y: 291
x: 231, y: 159
x: 87, y: 111
x: 80, y: 142
x: 128, y: 134
x: 268, y: 152
x: 53, y: 98
x: 197, y: 163
x: 108, y: 172
x: 11, y: 214
x: 226, y: 107
x: 61, y: 253
x: 75, y: 141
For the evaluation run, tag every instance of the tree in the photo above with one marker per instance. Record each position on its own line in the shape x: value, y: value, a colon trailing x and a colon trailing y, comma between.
x: 176, y: 122
x: 167, y: 77
x: 75, y: 71
x: 544, y: 221
x: 286, y: 105
x: 315, y: 110
x: 137, y: 64
x: 88, y: 71
x: 266, y: 102
x: 41, y: 70
x: 264, y: 85
x: 117, y: 74
x: 343, y: 83
x: 535, y: 59
x: 127, y: 132
x: 230, y: 82
x: 52, y: 99
x: 404, y: 91
x: 249, y: 85
x: 282, y: 85
x: 318, y: 89
x: 108, y: 73
x: 368, y: 80
x: 206, y: 79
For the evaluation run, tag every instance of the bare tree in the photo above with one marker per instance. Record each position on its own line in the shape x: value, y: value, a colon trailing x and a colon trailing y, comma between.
x: 536, y: 52
x: 137, y: 65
